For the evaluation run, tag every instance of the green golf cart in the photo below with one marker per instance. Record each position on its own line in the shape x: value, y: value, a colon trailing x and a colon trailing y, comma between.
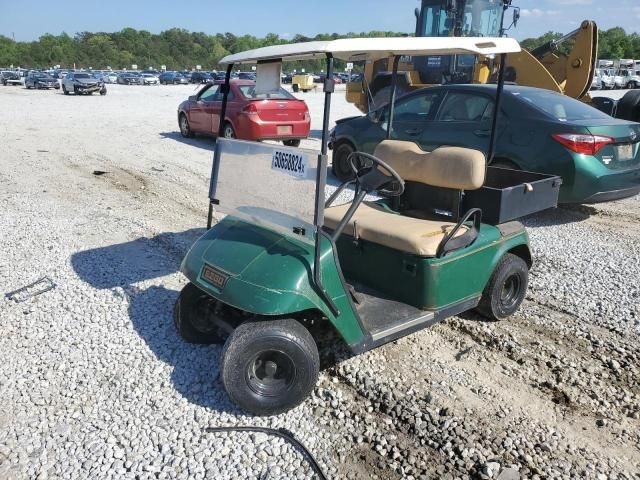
x: 406, y: 251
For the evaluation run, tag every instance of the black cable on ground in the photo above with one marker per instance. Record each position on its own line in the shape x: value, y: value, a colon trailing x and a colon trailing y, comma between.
x: 282, y: 433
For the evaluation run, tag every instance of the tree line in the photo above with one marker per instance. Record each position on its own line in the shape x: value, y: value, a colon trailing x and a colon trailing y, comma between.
x: 179, y: 49
x: 176, y: 48
x: 613, y: 44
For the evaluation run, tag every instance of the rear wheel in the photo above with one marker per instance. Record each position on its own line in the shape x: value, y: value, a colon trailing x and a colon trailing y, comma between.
x: 506, y: 289
x: 340, y: 165
x: 191, y: 316
x: 269, y: 366
x: 185, y: 128
x: 291, y: 143
x: 228, y: 131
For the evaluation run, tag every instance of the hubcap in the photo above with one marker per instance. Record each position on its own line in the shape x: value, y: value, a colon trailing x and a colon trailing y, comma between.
x: 270, y: 373
x: 184, y: 125
x: 510, y: 291
x: 228, y: 132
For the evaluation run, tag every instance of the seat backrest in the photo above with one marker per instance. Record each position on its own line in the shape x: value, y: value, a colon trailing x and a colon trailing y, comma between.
x: 455, y: 168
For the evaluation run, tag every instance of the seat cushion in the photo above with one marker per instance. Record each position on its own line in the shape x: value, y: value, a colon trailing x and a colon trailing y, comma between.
x: 373, y: 223
x: 447, y: 167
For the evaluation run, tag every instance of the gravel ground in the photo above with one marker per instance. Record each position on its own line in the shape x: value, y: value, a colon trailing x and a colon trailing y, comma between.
x: 95, y: 383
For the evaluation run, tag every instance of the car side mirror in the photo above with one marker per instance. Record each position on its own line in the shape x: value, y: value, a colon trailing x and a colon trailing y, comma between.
x: 193, y: 98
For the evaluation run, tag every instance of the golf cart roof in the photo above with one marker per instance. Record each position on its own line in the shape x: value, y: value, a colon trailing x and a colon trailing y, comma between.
x: 355, y: 49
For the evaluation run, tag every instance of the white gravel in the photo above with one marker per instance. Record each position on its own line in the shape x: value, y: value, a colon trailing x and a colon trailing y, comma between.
x: 95, y: 383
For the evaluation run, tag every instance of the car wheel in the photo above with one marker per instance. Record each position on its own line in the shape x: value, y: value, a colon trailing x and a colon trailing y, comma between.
x: 340, y: 165
x: 190, y: 315
x: 269, y: 366
x: 228, y: 131
x: 64, y: 90
x: 291, y: 143
x: 103, y: 91
x: 506, y: 289
x: 633, y: 85
x: 185, y: 128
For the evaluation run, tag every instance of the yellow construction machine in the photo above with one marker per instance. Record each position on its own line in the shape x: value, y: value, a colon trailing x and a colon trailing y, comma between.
x: 565, y: 65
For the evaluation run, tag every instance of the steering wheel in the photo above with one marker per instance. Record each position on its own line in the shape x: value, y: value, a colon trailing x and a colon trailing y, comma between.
x: 374, y: 175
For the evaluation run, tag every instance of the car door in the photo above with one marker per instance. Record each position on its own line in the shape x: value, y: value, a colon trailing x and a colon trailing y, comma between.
x: 201, y: 111
x: 463, y: 120
x: 414, y: 114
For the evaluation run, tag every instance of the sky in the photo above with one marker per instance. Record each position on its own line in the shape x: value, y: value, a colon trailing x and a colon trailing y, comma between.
x: 284, y: 17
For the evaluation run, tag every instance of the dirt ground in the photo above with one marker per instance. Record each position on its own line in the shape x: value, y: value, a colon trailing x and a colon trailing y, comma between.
x: 553, y: 392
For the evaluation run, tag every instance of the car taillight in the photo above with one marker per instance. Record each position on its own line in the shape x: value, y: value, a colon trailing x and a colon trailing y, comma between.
x: 583, y: 143
x: 250, y: 109
x: 306, y: 116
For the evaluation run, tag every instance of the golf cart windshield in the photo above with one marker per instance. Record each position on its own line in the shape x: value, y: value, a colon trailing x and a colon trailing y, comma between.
x: 268, y: 185
x: 284, y: 188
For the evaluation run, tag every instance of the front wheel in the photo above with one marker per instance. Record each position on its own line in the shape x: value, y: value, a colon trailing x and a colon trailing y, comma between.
x: 340, y: 165
x: 103, y: 91
x: 64, y: 90
x: 191, y: 315
x: 506, y: 289
x: 269, y: 366
x: 291, y: 143
x: 185, y: 128
x: 228, y: 131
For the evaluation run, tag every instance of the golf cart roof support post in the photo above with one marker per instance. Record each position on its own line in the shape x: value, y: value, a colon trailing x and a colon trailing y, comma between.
x: 496, y: 109
x: 321, y: 180
x: 392, y: 100
x: 223, y: 112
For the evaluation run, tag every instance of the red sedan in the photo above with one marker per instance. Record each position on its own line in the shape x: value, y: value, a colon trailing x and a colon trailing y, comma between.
x: 249, y: 116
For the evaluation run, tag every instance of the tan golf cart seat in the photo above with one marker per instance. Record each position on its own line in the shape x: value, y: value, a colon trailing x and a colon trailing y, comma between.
x: 413, y: 232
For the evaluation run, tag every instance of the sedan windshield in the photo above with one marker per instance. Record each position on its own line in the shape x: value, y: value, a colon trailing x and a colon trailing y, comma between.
x: 249, y: 91
x: 559, y: 107
x: 81, y: 75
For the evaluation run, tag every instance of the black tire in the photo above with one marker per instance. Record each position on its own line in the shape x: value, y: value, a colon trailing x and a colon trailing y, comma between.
x: 628, y: 107
x: 228, y: 131
x: 185, y: 128
x: 190, y: 317
x: 269, y: 366
x: 64, y: 90
x: 291, y: 143
x: 340, y: 164
x: 506, y: 288
x: 295, y: 87
x: 103, y: 91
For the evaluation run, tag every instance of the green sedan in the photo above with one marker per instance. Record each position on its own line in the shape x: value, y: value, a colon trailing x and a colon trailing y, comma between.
x: 597, y: 156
